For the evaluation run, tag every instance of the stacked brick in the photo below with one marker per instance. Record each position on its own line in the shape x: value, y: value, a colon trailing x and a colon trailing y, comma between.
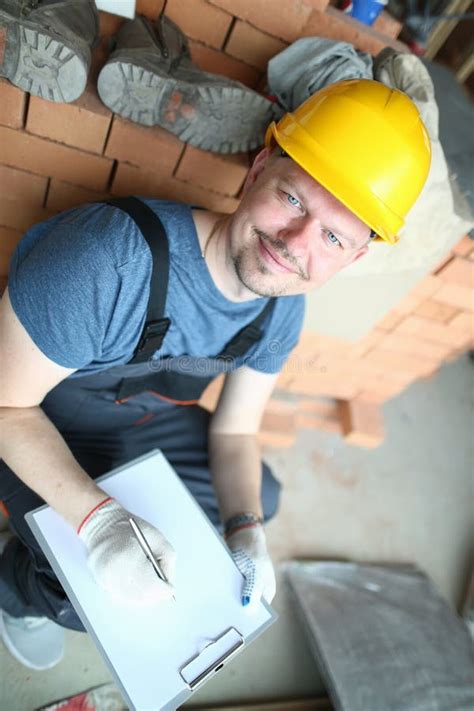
x: 56, y: 156
x: 338, y: 386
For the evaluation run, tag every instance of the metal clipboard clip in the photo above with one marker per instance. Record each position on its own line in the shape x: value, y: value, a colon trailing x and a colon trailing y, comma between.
x: 205, y: 664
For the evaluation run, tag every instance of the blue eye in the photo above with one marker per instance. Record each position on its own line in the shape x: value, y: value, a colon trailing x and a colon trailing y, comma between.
x: 332, y: 237
x: 293, y: 201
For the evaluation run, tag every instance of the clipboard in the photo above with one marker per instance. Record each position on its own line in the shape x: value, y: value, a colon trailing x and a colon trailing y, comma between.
x: 158, y: 655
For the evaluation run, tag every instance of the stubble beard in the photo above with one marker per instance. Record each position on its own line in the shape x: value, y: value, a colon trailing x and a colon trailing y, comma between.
x: 256, y: 278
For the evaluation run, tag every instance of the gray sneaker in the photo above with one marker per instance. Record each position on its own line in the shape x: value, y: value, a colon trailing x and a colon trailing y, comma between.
x: 151, y: 79
x: 47, y: 45
x: 36, y: 642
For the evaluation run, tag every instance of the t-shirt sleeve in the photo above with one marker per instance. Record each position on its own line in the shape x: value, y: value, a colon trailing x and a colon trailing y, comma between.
x: 280, y: 336
x: 63, y: 287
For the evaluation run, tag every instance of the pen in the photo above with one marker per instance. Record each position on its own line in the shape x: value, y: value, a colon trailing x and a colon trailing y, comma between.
x: 144, y: 545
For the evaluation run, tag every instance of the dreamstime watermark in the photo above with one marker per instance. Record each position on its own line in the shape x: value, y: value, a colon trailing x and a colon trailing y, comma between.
x: 269, y: 361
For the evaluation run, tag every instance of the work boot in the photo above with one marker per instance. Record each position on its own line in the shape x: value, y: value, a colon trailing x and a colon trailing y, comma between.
x: 45, y: 45
x: 151, y: 79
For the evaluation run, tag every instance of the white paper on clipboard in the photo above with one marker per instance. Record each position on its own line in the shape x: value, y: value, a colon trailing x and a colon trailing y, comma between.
x: 154, y: 653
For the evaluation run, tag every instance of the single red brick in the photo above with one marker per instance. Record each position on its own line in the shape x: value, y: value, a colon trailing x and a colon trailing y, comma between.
x: 363, y: 345
x: 150, y: 147
x: 321, y: 385
x: 287, y: 20
x: 130, y: 180
x: 201, y: 21
x: 459, y: 271
x: 370, y: 372
x: 308, y: 421
x: 464, y: 247
x: 415, y: 365
x: 463, y: 322
x: 387, y: 24
x: 430, y: 331
x: 64, y: 196
x: 83, y: 123
x: 426, y: 288
x: 320, y: 414
x: 221, y: 173
x: 459, y: 297
x: 361, y: 422
x: 336, y: 25
x: 12, y: 105
x: 322, y: 407
x: 195, y: 195
x: 435, y: 310
x: 20, y: 214
x: 210, y: 60
x: 17, y: 184
x: 252, y: 46
x: 415, y: 345
x: 28, y: 152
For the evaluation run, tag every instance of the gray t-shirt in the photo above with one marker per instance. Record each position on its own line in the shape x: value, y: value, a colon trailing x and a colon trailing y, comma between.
x: 79, y: 284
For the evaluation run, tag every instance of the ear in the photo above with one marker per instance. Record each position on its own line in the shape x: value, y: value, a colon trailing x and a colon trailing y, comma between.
x: 256, y: 168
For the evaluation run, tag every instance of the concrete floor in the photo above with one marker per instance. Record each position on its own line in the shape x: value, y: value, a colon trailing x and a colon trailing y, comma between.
x: 410, y: 500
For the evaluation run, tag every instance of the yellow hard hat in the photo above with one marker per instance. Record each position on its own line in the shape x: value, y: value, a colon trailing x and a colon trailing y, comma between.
x: 366, y: 144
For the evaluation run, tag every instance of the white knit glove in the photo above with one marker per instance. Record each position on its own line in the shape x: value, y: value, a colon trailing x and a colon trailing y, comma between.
x: 117, y: 561
x: 249, y: 551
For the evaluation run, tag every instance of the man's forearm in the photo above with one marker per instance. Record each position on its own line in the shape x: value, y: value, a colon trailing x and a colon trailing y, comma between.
x: 236, y: 468
x: 33, y: 448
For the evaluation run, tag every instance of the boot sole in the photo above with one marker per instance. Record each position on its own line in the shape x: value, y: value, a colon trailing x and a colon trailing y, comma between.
x: 213, y: 117
x: 40, y: 62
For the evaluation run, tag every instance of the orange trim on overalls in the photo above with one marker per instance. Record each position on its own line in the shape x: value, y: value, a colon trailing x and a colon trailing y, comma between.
x: 175, y: 402
x: 162, y: 397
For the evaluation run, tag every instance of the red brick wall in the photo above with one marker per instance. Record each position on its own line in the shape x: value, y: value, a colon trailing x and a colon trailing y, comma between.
x: 55, y: 156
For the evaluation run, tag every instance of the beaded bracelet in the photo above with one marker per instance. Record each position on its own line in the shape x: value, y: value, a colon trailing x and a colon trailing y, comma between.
x: 241, y: 520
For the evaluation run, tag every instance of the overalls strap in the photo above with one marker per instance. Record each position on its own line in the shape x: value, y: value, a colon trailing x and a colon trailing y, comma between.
x: 247, y: 336
x: 151, y: 227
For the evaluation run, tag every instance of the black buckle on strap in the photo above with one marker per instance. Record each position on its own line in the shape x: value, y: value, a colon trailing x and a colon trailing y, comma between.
x: 153, y: 330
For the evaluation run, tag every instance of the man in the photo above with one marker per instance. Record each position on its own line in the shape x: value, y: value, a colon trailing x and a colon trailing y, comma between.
x: 114, y: 322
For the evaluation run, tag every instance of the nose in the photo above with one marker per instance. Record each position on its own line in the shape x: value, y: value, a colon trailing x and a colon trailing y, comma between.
x: 299, y: 235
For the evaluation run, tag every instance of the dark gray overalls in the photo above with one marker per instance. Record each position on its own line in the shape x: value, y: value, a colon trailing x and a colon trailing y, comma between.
x: 111, y: 417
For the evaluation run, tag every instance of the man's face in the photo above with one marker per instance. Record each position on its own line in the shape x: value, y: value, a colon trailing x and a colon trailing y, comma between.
x: 289, y: 234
